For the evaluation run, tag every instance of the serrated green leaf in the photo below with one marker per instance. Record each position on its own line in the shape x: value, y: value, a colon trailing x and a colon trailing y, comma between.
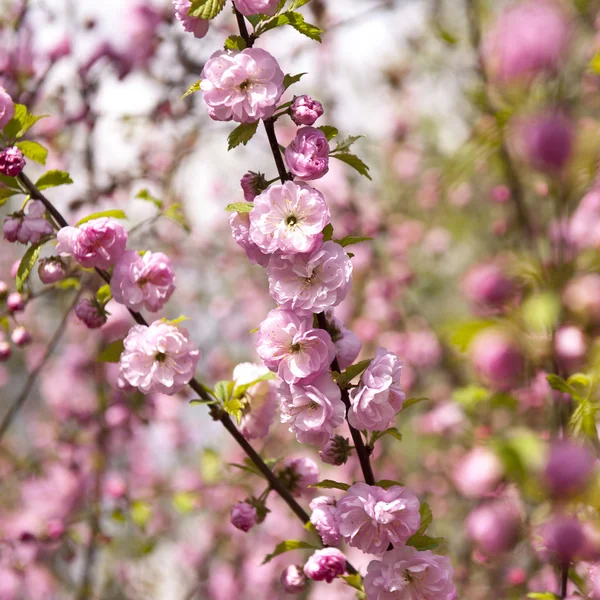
x: 330, y: 484
x: 295, y: 20
x: 103, y: 295
x: 145, y: 195
x: 345, y: 144
x: 559, y: 384
x: 329, y: 131
x: 353, y: 161
x: 235, y: 408
x: 328, y: 232
x: 18, y: 126
x: 224, y: 390
x: 286, y: 547
x: 206, y: 9
x: 412, y: 401
x: 241, y: 207
x: 112, y: 353
x: 174, y: 213
x: 26, y: 265
x: 242, y: 134
x: 108, y: 214
x: 424, y: 542
x: 349, y: 240
x: 33, y: 151
x: 52, y: 179
x: 389, y: 431
x: 289, y: 80
x: 386, y: 484
x: 298, y: 3
x: 195, y: 87
x: 343, y: 379
x: 240, y: 390
x: 235, y: 42
x: 426, y: 517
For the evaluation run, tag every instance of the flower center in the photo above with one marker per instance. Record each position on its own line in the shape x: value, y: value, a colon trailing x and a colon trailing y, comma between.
x: 245, y: 85
x: 296, y: 347
x: 291, y: 220
x: 160, y: 356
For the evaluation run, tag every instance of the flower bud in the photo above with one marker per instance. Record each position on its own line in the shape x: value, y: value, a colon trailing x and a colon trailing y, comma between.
x: 7, y: 108
x: 5, y: 351
x: 3, y: 291
x: 91, y: 313
x: 568, y: 469
x: 325, y: 565
x: 243, y: 516
x: 51, y: 270
x: 298, y: 474
x: 478, y: 473
x: 487, y: 285
x: 571, y: 347
x: 308, y: 155
x: 253, y: 184
x: 12, y: 161
x: 563, y: 538
x: 582, y: 297
x: 494, y: 527
x: 21, y: 336
x: 293, y: 579
x: 336, y: 451
x: 305, y: 111
x: 15, y: 302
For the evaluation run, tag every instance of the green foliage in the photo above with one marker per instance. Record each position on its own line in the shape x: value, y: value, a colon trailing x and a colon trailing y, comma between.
x: 53, y: 178
x: 329, y: 131
x: 353, y: 161
x: 344, y: 379
x: 176, y: 321
x: 240, y: 390
x: 389, y: 431
x: 349, y: 240
x: 112, y: 353
x: 26, y: 265
x: 235, y: 42
x: 145, y: 195
x: 295, y: 20
x: 241, y: 207
x: 5, y: 194
x: 141, y: 512
x: 328, y: 232
x: 33, y: 151
x: 521, y: 453
x: 345, y: 144
x: 412, y: 401
x: 195, y: 87
x: 289, y: 80
x: 18, y: 126
x: 462, y: 334
x: 242, y: 134
x: 386, y: 484
x: 354, y: 581
x: 286, y: 547
x: 224, y: 390
x: 420, y: 540
x: 113, y: 214
x: 103, y: 295
x: 330, y: 484
x: 175, y: 214
x: 206, y: 9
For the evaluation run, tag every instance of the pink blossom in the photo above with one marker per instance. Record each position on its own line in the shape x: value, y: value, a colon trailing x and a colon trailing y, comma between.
x: 244, y: 86
x: 323, y: 518
x: 486, y: 284
x: 27, y: 228
x: 370, y: 517
x: 97, y: 243
x: 569, y: 468
x: 312, y: 410
x: 313, y: 282
x: 252, y: 185
x: 379, y: 396
x: 301, y: 472
x: 21, y: 336
x: 305, y: 111
x: 240, y: 231
x: 12, y: 161
x: 51, y: 270
x: 325, y: 565
x: 256, y: 7
x: 243, y: 516
x: 570, y: 346
x: 15, y: 302
x: 91, y: 313
x: 199, y: 27
x: 407, y: 574
x: 336, y: 451
x: 288, y: 344
x: 261, y: 398
x: 478, y: 473
x: 584, y: 227
x: 494, y: 526
x: 293, y: 579
x: 529, y: 38
x: 288, y: 218
x: 143, y: 280
x: 7, y: 108
x: 158, y: 358
x: 347, y: 343
x: 308, y: 155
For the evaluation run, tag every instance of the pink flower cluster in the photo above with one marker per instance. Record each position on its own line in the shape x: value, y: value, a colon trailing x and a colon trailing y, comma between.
x: 199, y: 27
x: 28, y: 227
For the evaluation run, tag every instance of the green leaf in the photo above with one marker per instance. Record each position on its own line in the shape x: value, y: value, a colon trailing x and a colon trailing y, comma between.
x: 328, y: 232
x: 240, y: 390
x: 386, y: 484
x: 286, y: 547
x: 349, y: 240
x: 224, y: 390
x: 543, y: 596
x: 412, y: 401
x: 583, y: 420
x: 426, y: 517
x: 113, y: 214
x: 33, y: 151
x: 5, y: 194
x: 330, y: 484
x: 295, y: 20
x: 69, y: 283
x: 559, y: 384
x: 184, y: 502
x: 236, y: 42
x: 343, y: 379
x: 141, y: 512
x: 345, y: 144
x: 20, y: 123
x: 26, y: 265
x: 247, y: 468
x: 242, y: 134
x: 390, y: 431
x: 176, y: 321
x: 145, y: 195
x: 353, y: 161
x: 103, y: 295
x: 289, y: 80
x: 206, y: 9
x: 174, y: 213
x: 235, y: 408
x: 10, y: 182
x: 462, y: 334
x: 329, y: 131
x: 198, y: 401
x: 298, y: 3
x: 354, y: 581
x: 241, y: 207
x: 580, y: 379
x: 424, y: 542
x: 195, y: 87
x: 112, y: 353
x: 52, y: 179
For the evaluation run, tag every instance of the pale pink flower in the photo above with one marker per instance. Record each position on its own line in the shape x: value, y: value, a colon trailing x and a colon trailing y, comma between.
x: 243, y: 516
x: 407, y: 574
x: 261, y: 398
x: 143, y: 281
x: 494, y: 526
x: 288, y: 218
x: 313, y: 282
x: 302, y: 473
x: 158, y: 358
x: 312, y: 410
x: 7, y: 108
x: 379, y: 396
x: 27, y: 228
x: 325, y: 565
x: 97, y: 243
x: 347, y: 343
x: 256, y: 7
x: 370, y: 517
x: 478, y: 473
x: 240, y: 231
x: 323, y: 518
x: 244, y: 86
x: 307, y: 156
x: 199, y: 27
x: 288, y: 344
x: 305, y: 111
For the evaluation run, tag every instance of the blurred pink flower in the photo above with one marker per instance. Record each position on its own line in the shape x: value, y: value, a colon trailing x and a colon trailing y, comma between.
x: 27, y: 228
x: 199, y: 27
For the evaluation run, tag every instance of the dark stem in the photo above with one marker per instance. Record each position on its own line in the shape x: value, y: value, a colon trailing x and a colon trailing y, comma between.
x: 281, y: 170
x: 361, y: 450
x: 564, y: 580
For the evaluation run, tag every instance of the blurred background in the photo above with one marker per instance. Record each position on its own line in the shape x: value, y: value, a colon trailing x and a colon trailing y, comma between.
x: 481, y: 128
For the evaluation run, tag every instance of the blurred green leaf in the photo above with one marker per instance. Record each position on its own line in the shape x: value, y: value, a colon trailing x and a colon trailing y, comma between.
x: 175, y: 214
x: 145, y: 195
x: 105, y: 214
x: 286, y: 547
x: 343, y: 379
x: 141, y: 512
x: 26, y: 265
x: 112, y: 353
x: 330, y: 484
x: 206, y: 9
x: 462, y: 334
x: 241, y: 207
